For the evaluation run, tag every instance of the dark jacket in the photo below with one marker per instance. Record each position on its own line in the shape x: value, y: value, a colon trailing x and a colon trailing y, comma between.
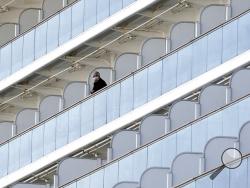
x: 98, y: 85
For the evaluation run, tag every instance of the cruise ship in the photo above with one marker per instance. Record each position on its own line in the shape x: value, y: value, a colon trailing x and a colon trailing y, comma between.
x: 124, y: 93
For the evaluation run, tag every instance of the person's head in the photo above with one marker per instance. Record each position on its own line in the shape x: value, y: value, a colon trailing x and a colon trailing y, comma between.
x: 96, y: 76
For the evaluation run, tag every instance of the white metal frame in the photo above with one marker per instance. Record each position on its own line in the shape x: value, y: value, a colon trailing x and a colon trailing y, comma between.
x: 138, y: 113
x: 75, y: 42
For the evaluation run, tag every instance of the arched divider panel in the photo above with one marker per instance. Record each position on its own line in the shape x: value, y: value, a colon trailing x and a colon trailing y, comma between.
x: 28, y: 18
x: 212, y: 16
x: 74, y: 92
x: 72, y: 168
x: 214, y: 97
x: 214, y: 149
x: 152, y: 49
x: 240, y: 84
x: 7, y: 32
x: 25, y: 119
x: 49, y: 106
x: 126, y: 64
x: 181, y: 33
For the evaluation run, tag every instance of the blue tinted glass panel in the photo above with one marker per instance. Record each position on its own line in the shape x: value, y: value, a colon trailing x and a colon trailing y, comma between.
x: 62, y: 128
x: 25, y: 149
x: 96, y: 179
x: 154, y: 80
x: 126, y: 96
x: 5, y: 62
x: 52, y: 33
x: 14, y: 153
x: 184, y: 65
x: 28, y: 48
x: 153, y: 159
x: 87, y: 116
x: 115, y: 5
x: 127, y: 2
x: 214, y: 49
x: 169, y: 150
x: 102, y: 9
x: 199, y: 63
x: 65, y: 26
x: 230, y: 40
x: 140, y: 88
x: 222, y: 180
x: 244, y: 111
x: 214, y: 125
x: 100, y: 110
x: 74, y: 123
x: 230, y: 121
x: 49, y: 136
x: 84, y: 183
x: 40, y: 40
x: 3, y: 160
x: 243, y: 33
x: 139, y: 164
x: 238, y: 176
x: 77, y: 18
x: 125, y: 168
x: 204, y: 183
x: 17, y: 54
x: 90, y: 13
x: 111, y: 175
x: 37, y: 143
x: 73, y: 185
x: 113, y: 102
x: 184, y: 140
x: 169, y: 79
x: 199, y: 136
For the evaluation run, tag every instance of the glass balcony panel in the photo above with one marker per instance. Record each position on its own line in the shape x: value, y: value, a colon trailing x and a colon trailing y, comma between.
x: 77, y: 18
x: 115, y: 6
x: 111, y: 175
x: 17, y: 54
x: 40, y: 40
x: 243, y: 33
x: 37, y: 142
x: 184, y: 140
x: 184, y: 65
x: 169, y: 79
x: 14, y: 155
x: 199, y: 63
x: 140, y: 88
x: 25, y: 149
x: 5, y: 61
x: 90, y: 16
x: 87, y: 116
x: 127, y: 95
x: 28, y: 48
x: 230, y: 35
x: 113, y: 103
x: 127, y: 2
x: 52, y: 33
x: 4, y: 160
x: 214, y: 54
x: 103, y: 9
x: 154, y: 80
x: 65, y: 26
x: 49, y: 136
x: 62, y: 130
x: 74, y: 123
x: 100, y: 110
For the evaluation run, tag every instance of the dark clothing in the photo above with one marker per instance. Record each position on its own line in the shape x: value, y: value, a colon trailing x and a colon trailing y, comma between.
x: 98, y: 85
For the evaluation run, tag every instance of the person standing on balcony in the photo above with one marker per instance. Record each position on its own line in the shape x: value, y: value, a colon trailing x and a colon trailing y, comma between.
x: 99, y: 83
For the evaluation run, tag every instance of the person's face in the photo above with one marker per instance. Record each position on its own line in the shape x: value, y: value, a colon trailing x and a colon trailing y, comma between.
x: 96, y: 78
